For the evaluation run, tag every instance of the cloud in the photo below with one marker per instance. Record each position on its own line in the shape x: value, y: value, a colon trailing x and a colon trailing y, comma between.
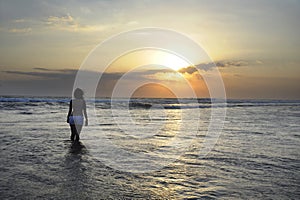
x: 21, y: 25
x: 259, y: 62
x: 210, y: 65
x: 132, y: 23
x: 69, y: 23
x: 40, y: 72
x: 40, y: 81
x: 263, y: 87
x: 234, y: 63
x: 85, y: 10
x: 47, y: 73
x: 163, y: 76
x: 19, y: 20
x: 19, y: 30
x: 64, y: 20
x: 189, y: 70
x: 154, y: 71
x: 42, y: 69
x: 44, y: 81
x: 221, y: 64
x: 206, y: 66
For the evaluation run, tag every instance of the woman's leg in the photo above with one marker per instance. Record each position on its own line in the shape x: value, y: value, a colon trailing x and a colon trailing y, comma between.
x: 78, y: 130
x: 73, y: 131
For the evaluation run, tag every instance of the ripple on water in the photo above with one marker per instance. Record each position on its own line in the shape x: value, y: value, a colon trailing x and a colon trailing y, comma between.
x: 256, y: 157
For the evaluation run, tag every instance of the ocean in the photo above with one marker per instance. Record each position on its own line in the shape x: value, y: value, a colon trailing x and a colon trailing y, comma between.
x: 255, y: 156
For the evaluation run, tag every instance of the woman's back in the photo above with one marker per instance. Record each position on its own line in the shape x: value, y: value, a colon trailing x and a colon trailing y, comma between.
x: 78, y: 107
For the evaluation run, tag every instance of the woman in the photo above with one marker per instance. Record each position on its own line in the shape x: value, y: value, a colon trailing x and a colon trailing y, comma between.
x: 75, y: 116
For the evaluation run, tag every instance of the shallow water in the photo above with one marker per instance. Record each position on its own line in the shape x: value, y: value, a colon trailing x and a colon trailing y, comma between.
x: 256, y: 155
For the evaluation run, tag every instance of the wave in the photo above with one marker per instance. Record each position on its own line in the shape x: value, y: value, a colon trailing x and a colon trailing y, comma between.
x: 147, y: 103
x: 34, y: 100
x: 184, y: 106
x: 140, y: 105
x: 26, y: 113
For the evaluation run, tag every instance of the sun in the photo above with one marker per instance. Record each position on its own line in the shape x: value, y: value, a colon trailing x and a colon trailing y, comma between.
x: 148, y: 59
x: 170, y: 60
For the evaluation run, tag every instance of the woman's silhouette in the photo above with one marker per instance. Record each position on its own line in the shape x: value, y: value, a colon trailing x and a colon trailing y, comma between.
x: 75, y: 116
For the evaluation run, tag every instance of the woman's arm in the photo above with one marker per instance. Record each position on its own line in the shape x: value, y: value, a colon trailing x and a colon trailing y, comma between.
x: 70, y: 111
x: 85, y: 113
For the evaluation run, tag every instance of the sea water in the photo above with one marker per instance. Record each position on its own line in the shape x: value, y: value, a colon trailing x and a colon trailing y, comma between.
x: 256, y: 155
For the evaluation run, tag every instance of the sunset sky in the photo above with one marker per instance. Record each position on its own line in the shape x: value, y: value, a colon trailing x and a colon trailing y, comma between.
x: 255, y: 44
